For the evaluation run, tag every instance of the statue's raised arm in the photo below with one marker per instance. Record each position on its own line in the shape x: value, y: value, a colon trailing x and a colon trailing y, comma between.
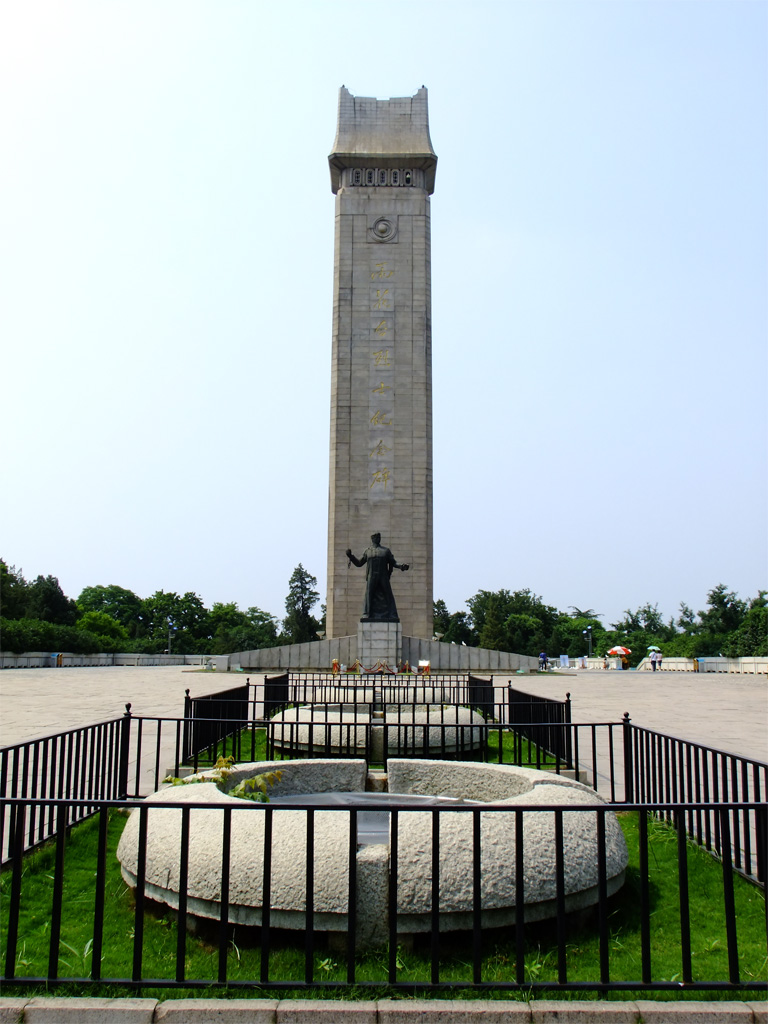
x: 359, y: 562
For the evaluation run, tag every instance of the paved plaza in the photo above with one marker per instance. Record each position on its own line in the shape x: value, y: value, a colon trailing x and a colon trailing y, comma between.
x: 726, y: 711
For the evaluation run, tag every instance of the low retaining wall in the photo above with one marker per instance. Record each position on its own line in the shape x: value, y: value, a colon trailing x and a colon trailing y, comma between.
x: 457, y: 658
x: 40, y: 659
x: 318, y: 656
x: 441, y: 657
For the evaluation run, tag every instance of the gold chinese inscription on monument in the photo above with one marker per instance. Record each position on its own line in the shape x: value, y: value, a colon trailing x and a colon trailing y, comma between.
x: 382, y: 271
x: 382, y: 382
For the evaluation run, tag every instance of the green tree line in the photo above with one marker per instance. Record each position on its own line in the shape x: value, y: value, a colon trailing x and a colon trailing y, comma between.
x: 36, y: 615
x: 520, y: 622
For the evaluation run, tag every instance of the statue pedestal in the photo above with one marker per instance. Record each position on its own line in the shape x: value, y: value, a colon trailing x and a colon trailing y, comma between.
x: 379, y: 641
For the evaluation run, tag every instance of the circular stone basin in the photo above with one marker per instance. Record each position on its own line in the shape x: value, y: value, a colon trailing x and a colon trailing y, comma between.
x: 493, y: 785
x: 416, y: 730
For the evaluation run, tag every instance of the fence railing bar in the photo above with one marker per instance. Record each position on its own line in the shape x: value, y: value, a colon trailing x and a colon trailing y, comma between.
x: 226, y: 844
x: 602, y: 898
x: 104, y: 772
x: 684, y: 900
x: 80, y: 762
x: 181, y: 924
x: 309, y: 920
x: 31, y: 828
x: 58, y: 893
x: 562, y: 967
x: 393, y: 872
x: 99, y: 901
x: 746, y: 830
x: 724, y: 790
x: 435, y: 908
x: 43, y: 791
x: 697, y: 792
x: 16, y: 830
x: 688, y: 781
x: 90, y: 774
x: 729, y: 902
x: 138, y: 897
x: 70, y: 770
x: 645, y: 898
x: 266, y: 897
x: 477, y: 895
x: 736, y: 829
x: 611, y: 765
x: 519, y: 900
x: 352, y: 897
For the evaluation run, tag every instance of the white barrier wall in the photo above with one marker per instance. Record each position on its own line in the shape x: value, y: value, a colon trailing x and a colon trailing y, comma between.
x: 745, y: 666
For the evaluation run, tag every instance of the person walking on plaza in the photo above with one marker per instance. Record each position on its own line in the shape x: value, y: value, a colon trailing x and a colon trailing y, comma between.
x: 543, y: 659
x: 654, y: 656
x: 659, y: 657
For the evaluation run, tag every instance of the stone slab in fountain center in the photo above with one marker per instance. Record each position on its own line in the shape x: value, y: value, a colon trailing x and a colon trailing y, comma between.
x: 372, y: 825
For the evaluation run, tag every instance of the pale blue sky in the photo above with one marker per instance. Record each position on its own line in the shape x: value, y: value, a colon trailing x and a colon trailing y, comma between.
x: 599, y: 291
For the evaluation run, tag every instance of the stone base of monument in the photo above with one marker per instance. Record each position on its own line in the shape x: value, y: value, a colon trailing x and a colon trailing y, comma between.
x: 331, y: 788
x: 379, y: 642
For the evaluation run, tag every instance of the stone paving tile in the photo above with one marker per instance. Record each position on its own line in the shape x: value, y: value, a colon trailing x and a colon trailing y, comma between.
x: 39, y: 701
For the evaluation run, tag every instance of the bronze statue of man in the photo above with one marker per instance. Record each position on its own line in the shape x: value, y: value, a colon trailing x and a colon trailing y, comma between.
x: 379, y: 600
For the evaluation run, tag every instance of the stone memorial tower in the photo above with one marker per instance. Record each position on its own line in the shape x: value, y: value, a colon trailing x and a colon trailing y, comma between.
x: 382, y: 173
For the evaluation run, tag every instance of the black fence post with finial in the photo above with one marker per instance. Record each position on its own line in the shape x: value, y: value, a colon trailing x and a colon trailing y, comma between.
x: 125, y: 748
x: 186, y: 743
x: 568, y: 745
x: 629, y: 788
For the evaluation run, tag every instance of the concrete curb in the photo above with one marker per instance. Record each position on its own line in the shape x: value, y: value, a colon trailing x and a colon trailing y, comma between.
x: 61, y: 1010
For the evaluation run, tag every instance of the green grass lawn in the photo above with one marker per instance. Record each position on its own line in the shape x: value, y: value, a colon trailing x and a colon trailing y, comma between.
x: 286, y: 953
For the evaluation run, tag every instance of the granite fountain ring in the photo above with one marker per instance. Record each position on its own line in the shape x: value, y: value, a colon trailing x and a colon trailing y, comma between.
x: 408, y: 779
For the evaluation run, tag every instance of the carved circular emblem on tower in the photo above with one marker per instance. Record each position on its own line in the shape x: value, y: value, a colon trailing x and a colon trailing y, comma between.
x: 383, y: 230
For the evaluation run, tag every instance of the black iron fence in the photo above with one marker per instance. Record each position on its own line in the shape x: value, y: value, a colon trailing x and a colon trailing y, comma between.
x: 646, y: 936
x: 666, y: 769
x: 209, y: 716
x: 376, y: 688
x: 338, y: 714
x: 86, y: 764
x: 541, y: 721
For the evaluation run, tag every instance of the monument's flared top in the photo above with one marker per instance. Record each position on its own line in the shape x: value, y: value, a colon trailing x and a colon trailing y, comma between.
x: 390, y: 133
